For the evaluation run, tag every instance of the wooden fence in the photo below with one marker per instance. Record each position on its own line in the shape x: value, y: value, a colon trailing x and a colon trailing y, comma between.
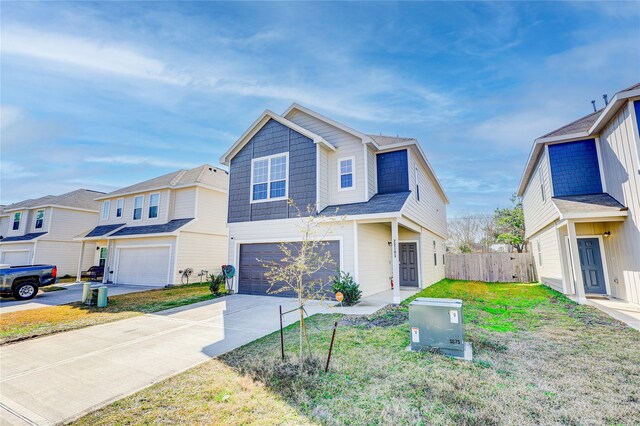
x: 491, y: 267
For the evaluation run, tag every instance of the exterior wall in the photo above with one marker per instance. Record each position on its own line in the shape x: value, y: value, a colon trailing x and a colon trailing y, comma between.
x: 574, y: 168
x: 10, y: 247
x: 431, y: 272
x: 183, y: 204
x: 431, y: 211
x: 618, y: 142
x: 65, y: 255
x: 372, y: 171
x: 127, y: 211
x: 346, y: 145
x: 374, y: 257
x: 200, y: 251
x: 547, y: 260
x: 273, y: 138
x: 4, y: 225
x: 24, y: 224
x: 31, y: 225
x: 538, y: 213
x: 66, y: 224
x: 323, y: 177
x: 211, y: 213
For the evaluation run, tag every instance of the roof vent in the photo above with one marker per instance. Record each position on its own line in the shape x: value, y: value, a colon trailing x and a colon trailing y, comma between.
x: 593, y: 103
x: 606, y: 99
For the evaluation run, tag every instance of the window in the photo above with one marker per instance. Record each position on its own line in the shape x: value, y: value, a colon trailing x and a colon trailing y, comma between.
x: 39, y: 219
x: 417, y: 178
x: 119, y: 207
x: 16, y: 220
x: 154, y: 200
x: 137, y: 207
x: 435, y: 254
x: 103, y: 257
x: 269, y: 178
x: 106, y: 206
x: 539, y: 252
x: 541, y: 178
x: 345, y: 173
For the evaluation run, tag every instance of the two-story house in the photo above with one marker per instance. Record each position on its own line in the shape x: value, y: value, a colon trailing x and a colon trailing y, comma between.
x: 42, y: 230
x: 388, y: 207
x: 581, y: 201
x: 151, y: 232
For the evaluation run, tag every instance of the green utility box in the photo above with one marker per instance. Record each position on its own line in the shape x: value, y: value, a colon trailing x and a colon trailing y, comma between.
x: 438, y: 324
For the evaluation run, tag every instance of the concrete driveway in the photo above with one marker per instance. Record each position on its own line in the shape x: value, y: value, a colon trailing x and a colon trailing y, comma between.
x: 73, y: 293
x: 58, y: 378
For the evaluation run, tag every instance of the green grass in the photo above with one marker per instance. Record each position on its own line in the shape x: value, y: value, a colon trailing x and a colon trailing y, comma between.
x: 539, y: 359
x: 21, y: 325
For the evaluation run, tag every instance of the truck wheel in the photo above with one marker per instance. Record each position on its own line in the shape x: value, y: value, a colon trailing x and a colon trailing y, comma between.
x: 25, y: 291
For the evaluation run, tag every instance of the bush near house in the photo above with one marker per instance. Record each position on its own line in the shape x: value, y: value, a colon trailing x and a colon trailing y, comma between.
x: 539, y: 359
x: 343, y: 282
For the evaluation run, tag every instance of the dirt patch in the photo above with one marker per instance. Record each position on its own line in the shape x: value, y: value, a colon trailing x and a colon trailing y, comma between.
x: 389, y: 316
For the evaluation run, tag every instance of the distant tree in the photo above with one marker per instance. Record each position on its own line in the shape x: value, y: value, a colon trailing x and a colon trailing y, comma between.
x: 510, y: 224
x: 471, y: 232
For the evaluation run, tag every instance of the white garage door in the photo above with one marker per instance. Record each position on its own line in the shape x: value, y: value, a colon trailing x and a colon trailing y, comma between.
x: 143, y: 266
x: 16, y: 258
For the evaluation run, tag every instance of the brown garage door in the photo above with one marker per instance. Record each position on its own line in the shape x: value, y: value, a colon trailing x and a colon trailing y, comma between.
x: 251, y: 272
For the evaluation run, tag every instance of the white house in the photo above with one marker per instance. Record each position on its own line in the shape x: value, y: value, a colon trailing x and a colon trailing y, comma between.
x: 42, y: 230
x: 150, y: 232
x: 581, y: 200
x: 393, y: 205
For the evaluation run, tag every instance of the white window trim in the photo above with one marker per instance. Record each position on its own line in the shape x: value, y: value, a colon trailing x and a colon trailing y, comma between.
x: 149, y: 207
x: 133, y: 213
x: 268, y: 182
x: 35, y: 222
x: 118, y: 201
x: 13, y: 221
x: 416, y: 177
x: 353, y: 173
x: 107, y: 204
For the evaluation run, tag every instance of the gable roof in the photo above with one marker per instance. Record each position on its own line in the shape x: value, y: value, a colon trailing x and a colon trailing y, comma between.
x: 78, y: 199
x: 297, y: 107
x: 205, y: 175
x: 25, y: 237
x: 383, y: 140
x: 588, y: 206
x: 164, y: 228
x: 259, y: 123
x: 379, y: 203
x: 580, y: 125
x: 103, y: 230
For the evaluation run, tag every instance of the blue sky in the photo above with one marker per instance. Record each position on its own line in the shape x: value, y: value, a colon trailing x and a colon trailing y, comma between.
x: 103, y: 95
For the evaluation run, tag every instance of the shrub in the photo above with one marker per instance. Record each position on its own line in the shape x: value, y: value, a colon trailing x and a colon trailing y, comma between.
x: 344, y: 283
x: 218, y: 284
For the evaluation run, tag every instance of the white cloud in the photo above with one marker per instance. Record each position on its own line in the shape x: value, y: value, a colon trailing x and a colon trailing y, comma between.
x: 138, y: 160
x: 11, y: 170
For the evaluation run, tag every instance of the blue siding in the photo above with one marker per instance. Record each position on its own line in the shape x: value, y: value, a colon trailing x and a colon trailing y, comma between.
x: 393, y: 172
x: 574, y: 168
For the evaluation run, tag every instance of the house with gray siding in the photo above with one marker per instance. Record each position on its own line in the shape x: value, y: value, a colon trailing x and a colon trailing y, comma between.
x: 381, y: 203
x: 581, y: 201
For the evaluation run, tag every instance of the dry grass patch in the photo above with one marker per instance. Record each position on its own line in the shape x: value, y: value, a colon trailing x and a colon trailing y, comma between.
x: 31, y: 323
x: 539, y: 359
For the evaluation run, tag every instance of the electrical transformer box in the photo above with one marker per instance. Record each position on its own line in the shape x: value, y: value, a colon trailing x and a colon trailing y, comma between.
x: 437, y: 323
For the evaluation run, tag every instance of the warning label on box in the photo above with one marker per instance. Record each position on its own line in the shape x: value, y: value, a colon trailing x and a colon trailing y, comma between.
x: 453, y: 317
x: 415, y: 334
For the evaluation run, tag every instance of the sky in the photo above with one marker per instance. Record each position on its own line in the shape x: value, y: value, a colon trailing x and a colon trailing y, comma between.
x: 104, y: 95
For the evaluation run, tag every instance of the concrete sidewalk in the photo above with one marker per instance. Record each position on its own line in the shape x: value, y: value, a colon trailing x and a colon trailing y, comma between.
x: 58, y: 378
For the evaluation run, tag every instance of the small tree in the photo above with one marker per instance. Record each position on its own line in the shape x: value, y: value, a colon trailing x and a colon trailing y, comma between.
x: 296, y: 270
x: 510, y: 224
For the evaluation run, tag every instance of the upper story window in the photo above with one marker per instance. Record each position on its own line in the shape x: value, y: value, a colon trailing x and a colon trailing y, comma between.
x: 345, y: 173
x: 137, y: 207
x: 269, y: 178
x: 39, y: 219
x: 541, y: 180
x: 435, y: 254
x: 106, y: 206
x: 119, y: 207
x: 417, y: 178
x: 154, y: 201
x: 17, y: 216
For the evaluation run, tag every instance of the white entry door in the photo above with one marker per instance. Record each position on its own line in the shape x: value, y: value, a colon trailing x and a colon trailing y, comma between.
x: 143, y: 266
x: 16, y: 258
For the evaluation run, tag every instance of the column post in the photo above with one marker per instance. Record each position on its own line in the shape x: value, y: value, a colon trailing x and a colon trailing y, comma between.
x: 395, y: 261
x: 79, y: 274
x: 575, y: 257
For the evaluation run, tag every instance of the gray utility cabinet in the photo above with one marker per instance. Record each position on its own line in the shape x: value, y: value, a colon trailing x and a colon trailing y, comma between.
x: 437, y: 323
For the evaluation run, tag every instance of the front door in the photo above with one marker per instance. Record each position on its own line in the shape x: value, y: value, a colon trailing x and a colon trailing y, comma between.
x: 408, y: 264
x: 591, y: 266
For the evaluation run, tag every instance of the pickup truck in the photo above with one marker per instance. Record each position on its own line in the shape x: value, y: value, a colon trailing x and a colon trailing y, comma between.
x: 22, y: 282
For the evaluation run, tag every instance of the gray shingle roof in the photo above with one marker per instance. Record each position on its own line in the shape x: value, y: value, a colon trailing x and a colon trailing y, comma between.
x: 25, y: 237
x: 80, y: 198
x: 580, y: 125
x: 205, y: 174
x: 101, y: 230
x: 379, y: 203
x: 389, y: 140
x: 594, y: 203
x: 152, y: 229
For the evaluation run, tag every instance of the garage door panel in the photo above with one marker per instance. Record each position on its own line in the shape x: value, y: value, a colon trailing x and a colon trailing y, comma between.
x: 143, y: 266
x: 16, y: 258
x: 251, y: 277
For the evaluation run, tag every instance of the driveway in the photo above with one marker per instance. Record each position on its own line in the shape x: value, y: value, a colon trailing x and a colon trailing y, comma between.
x: 60, y: 377
x: 73, y: 293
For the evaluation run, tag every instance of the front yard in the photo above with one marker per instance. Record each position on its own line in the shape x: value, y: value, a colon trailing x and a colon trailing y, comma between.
x: 539, y: 359
x: 31, y: 323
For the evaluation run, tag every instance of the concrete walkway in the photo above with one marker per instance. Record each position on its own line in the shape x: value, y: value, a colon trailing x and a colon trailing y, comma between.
x: 73, y: 293
x: 623, y: 311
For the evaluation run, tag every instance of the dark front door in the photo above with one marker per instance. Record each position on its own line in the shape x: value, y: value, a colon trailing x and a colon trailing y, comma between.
x: 408, y: 264
x: 591, y: 265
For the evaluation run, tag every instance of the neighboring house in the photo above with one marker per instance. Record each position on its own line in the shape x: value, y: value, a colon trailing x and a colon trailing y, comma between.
x: 42, y: 230
x: 150, y: 232
x: 393, y: 206
x: 581, y: 200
